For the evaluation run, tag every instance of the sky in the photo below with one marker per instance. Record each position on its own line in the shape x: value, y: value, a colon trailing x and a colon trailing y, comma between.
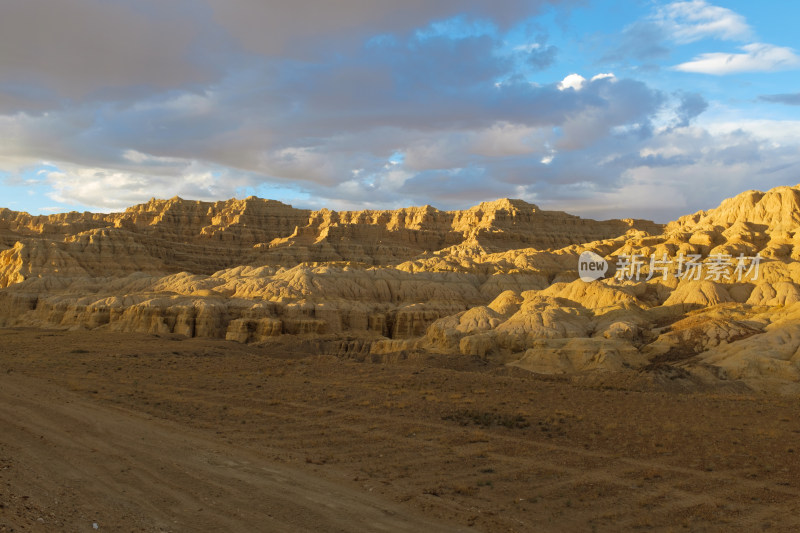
x: 605, y: 109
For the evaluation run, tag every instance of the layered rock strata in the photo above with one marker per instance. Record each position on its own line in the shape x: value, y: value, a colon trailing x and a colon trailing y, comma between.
x: 715, y: 294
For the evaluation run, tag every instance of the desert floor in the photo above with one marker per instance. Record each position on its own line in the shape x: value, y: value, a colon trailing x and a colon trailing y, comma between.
x: 143, y: 433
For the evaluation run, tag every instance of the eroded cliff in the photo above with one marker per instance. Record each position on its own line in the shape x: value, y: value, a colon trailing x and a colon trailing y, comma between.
x: 712, y: 296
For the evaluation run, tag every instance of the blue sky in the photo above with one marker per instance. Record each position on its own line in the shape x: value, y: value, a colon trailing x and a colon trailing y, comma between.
x: 645, y: 109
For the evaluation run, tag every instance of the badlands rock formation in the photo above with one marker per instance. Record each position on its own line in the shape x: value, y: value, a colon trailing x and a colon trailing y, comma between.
x: 710, y: 297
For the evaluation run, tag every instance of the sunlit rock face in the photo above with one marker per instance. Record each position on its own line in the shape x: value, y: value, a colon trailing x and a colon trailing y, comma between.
x: 716, y: 293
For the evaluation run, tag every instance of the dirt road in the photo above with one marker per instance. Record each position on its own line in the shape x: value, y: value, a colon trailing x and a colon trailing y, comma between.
x: 144, y: 433
x: 68, y: 464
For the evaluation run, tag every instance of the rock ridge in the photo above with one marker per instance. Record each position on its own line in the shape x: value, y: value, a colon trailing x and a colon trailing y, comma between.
x: 497, y: 281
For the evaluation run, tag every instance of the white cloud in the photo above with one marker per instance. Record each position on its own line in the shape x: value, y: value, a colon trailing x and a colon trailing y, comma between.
x: 757, y: 57
x: 112, y: 189
x: 573, y: 81
x: 529, y: 47
x: 603, y: 76
x: 135, y: 156
x: 686, y: 22
x: 777, y: 132
x: 578, y: 82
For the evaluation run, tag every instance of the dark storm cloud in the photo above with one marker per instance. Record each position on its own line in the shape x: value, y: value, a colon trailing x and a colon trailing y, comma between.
x: 227, y: 79
x: 80, y: 49
x: 75, y: 48
x: 350, y: 103
x: 456, y: 189
x: 403, y: 88
x: 444, y: 83
x: 301, y: 27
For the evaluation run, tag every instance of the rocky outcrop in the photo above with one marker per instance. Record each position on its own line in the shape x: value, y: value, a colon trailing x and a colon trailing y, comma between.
x: 713, y: 294
x: 203, y: 237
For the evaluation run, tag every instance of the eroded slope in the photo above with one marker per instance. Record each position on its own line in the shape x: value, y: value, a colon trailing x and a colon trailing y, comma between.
x: 497, y: 281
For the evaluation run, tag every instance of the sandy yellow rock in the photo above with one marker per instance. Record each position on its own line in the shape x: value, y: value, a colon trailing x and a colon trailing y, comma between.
x: 498, y: 280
